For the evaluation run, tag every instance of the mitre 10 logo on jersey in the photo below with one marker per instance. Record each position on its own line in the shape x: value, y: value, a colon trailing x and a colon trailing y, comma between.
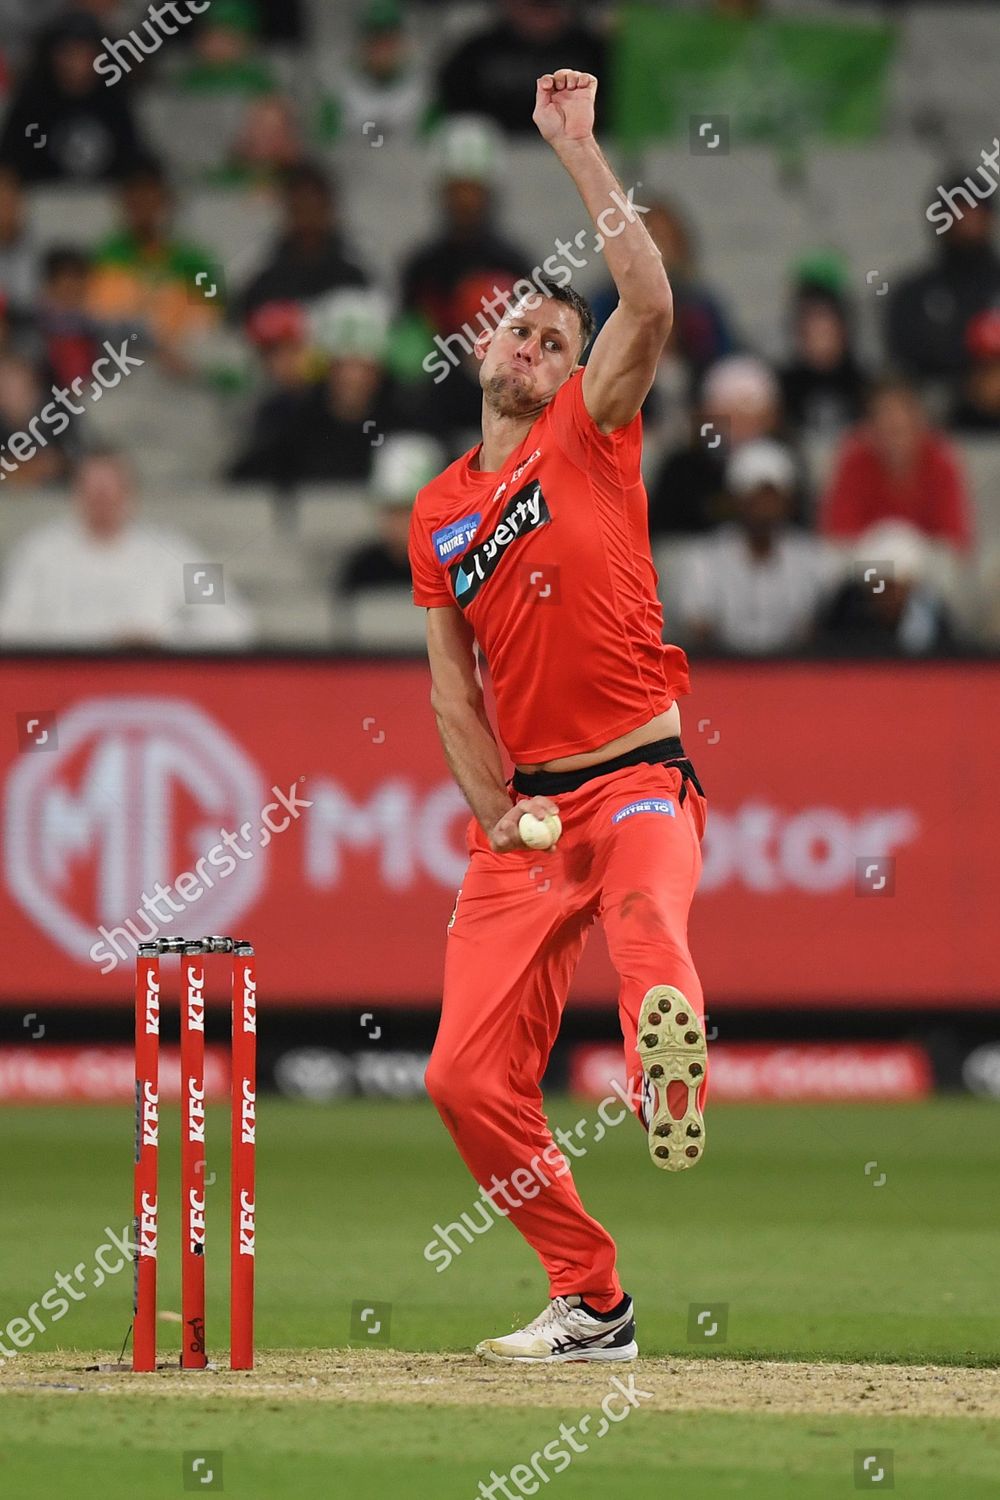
x: 525, y: 511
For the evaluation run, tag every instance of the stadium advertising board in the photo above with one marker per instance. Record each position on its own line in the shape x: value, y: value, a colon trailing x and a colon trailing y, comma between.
x: 852, y: 833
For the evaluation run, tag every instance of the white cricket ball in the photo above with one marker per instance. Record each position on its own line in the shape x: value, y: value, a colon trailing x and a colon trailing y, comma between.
x: 539, y: 833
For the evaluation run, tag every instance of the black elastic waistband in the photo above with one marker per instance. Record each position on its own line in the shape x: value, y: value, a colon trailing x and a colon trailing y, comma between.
x: 659, y: 752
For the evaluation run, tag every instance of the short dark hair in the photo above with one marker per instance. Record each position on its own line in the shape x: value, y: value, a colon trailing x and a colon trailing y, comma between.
x: 311, y: 176
x: 59, y: 259
x: 146, y: 171
x: 563, y: 292
x: 891, y: 383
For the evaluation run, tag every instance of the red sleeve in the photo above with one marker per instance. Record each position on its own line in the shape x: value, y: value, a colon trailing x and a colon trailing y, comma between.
x: 951, y: 517
x: 430, y: 590
x: 843, y: 512
x: 580, y: 438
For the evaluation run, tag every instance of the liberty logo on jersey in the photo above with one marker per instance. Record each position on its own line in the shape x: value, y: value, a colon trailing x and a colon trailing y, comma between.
x: 526, y: 511
x: 455, y: 537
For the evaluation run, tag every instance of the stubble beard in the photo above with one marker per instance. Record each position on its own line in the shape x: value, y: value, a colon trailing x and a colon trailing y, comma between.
x: 508, y: 398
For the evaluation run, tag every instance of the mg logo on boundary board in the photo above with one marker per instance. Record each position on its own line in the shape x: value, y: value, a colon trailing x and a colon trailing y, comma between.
x: 135, y: 793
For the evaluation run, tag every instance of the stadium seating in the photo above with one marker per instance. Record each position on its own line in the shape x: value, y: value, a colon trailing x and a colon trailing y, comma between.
x: 756, y: 215
x: 285, y: 553
x: 385, y: 620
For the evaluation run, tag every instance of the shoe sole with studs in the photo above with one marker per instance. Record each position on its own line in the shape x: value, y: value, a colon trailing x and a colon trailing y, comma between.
x: 672, y: 1047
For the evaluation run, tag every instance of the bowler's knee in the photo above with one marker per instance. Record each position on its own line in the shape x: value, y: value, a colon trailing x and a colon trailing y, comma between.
x: 457, y: 1086
x: 438, y: 1081
x: 450, y: 1084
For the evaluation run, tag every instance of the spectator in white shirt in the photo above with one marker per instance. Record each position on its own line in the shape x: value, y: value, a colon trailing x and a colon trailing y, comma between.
x: 380, y: 84
x: 100, y: 578
x: 754, y: 586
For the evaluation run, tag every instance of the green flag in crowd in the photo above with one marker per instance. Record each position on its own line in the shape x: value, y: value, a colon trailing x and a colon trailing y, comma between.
x: 771, y: 79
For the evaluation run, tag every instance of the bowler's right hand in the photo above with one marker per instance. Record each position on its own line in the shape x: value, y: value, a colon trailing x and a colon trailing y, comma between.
x: 504, y: 835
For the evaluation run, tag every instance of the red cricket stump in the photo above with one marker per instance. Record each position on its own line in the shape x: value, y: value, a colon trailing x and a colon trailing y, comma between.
x: 147, y: 1107
x: 243, y: 1110
x: 193, y: 1158
x: 243, y: 1105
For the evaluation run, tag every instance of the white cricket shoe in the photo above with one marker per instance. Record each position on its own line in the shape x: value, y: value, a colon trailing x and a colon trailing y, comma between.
x: 671, y: 1043
x: 566, y: 1330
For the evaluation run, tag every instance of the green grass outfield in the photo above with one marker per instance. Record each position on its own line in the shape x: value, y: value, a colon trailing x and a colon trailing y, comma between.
x: 813, y: 1260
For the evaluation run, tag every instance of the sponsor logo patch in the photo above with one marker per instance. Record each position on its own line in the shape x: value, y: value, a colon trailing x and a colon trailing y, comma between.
x: 526, y: 511
x: 647, y: 805
x: 455, y: 537
x: 517, y: 473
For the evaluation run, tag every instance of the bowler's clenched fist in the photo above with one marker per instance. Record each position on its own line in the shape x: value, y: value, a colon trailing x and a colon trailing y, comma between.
x: 564, y: 105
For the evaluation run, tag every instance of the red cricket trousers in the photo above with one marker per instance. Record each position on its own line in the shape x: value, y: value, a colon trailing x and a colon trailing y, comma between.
x: 630, y: 854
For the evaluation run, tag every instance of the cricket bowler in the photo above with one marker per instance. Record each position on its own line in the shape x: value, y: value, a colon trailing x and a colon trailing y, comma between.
x: 533, y: 550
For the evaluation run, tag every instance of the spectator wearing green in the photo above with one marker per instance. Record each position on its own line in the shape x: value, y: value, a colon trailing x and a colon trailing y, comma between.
x: 381, y: 91
x: 226, y: 57
x: 147, y: 276
x: 269, y: 142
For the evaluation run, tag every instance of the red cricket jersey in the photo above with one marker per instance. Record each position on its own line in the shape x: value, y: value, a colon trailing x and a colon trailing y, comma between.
x: 549, y: 560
